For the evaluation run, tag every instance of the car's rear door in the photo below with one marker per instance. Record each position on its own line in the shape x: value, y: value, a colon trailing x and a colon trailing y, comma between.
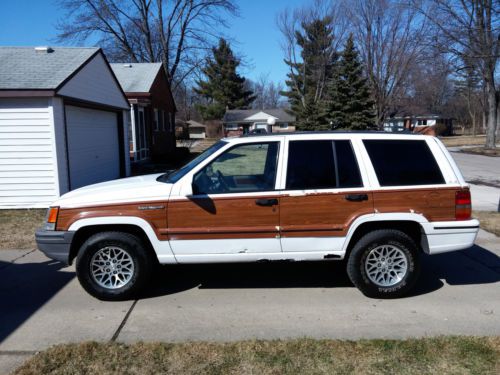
x: 234, y: 208
x: 323, y: 193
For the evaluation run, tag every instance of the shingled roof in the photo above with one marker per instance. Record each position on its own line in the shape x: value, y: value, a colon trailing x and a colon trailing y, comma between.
x: 136, y: 77
x: 240, y: 115
x: 24, y: 68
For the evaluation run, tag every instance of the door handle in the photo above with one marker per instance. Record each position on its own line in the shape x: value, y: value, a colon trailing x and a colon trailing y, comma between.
x: 356, y: 197
x: 266, y: 202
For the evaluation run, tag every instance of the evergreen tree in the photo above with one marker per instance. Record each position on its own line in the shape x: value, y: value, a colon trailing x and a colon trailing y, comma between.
x: 223, y: 87
x: 308, y: 79
x: 351, y: 105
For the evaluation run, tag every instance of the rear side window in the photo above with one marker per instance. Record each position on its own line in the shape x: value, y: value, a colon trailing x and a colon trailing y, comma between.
x: 322, y: 164
x: 401, y: 162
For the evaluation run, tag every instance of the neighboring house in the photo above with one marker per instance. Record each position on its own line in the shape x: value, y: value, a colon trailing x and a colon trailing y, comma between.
x: 242, y: 121
x: 196, y: 130
x: 61, y: 123
x: 431, y: 124
x: 151, y: 120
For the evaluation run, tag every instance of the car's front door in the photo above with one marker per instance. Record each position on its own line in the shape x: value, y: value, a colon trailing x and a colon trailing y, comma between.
x: 323, y: 194
x: 234, y: 207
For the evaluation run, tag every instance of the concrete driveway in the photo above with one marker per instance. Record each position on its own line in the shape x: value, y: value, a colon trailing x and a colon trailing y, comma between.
x: 43, y: 303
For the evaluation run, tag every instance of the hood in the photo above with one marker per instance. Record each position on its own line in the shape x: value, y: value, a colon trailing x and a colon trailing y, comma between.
x: 125, y: 190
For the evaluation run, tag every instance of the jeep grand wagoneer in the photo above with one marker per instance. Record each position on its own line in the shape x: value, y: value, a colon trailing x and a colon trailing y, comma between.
x: 375, y: 199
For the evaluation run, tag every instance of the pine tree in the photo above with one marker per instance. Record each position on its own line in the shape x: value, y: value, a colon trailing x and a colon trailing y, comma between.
x: 308, y: 79
x: 223, y: 87
x: 351, y: 106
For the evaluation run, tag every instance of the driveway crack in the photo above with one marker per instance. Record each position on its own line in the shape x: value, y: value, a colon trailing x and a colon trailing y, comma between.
x: 124, y: 321
x: 16, y: 259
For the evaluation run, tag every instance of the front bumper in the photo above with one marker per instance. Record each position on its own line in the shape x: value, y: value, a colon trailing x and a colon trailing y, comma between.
x: 54, y: 244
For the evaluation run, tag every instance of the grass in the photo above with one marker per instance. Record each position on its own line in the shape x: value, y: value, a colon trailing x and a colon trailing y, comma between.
x: 463, y: 140
x: 490, y: 221
x: 442, y: 355
x: 482, y: 151
x: 17, y: 228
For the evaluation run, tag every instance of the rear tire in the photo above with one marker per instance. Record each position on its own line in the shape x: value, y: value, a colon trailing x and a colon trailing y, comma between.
x: 384, y: 264
x: 113, y: 266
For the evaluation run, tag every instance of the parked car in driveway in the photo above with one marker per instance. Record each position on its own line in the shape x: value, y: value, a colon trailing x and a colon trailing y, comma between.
x: 377, y: 200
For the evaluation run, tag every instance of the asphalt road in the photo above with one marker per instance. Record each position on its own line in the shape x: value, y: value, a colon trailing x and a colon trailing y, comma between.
x: 43, y: 304
x: 483, y: 173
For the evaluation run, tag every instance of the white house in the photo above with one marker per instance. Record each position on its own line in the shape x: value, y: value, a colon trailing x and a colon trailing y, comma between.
x: 61, y: 123
x: 243, y: 121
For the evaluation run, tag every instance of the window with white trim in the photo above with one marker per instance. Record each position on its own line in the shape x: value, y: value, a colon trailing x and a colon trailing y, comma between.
x: 231, y: 126
x: 284, y: 125
x: 163, y: 120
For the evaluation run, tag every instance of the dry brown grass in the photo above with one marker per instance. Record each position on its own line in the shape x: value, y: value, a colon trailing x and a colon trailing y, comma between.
x: 482, y: 151
x: 17, y: 228
x: 490, y: 220
x: 464, y: 140
x: 442, y: 355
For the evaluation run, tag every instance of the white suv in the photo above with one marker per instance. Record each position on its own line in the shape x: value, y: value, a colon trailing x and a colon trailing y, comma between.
x: 375, y: 199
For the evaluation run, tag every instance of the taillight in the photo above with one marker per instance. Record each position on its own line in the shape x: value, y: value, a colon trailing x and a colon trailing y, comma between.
x: 463, y: 208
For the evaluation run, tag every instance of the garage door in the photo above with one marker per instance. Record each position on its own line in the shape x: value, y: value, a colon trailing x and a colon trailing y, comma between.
x: 93, y: 146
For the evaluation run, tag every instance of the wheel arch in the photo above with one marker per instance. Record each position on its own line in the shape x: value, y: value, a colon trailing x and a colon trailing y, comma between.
x: 87, y: 227
x: 407, y: 223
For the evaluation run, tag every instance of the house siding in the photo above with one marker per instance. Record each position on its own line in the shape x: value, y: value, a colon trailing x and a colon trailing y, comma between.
x: 28, y: 168
x: 95, y: 83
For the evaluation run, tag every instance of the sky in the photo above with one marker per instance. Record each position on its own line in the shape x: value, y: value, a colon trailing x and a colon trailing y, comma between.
x: 33, y: 23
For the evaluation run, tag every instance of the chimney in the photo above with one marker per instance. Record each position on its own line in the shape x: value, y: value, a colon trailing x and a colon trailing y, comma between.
x: 44, y: 49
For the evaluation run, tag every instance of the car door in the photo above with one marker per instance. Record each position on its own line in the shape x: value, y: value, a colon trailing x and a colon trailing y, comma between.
x: 234, y: 206
x: 323, y: 194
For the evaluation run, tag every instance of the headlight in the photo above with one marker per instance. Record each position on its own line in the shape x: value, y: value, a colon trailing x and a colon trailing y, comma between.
x: 50, y: 222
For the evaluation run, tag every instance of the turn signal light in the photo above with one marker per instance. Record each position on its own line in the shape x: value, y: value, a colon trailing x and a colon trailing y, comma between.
x: 463, y: 208
x: 51, y: 218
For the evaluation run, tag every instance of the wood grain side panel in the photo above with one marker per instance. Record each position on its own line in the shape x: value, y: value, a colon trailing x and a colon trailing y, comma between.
x: 437, y: 204
x: 320, y: 215
x: 205, y: 218
x: 157, y: 217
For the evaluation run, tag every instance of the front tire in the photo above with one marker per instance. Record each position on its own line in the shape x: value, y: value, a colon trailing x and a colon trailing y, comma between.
x: 113, y: 266
x: 384, y: 264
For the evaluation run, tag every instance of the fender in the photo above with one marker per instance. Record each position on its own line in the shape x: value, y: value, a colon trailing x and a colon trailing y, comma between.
x: 377, y: 217
x: 162, y: 248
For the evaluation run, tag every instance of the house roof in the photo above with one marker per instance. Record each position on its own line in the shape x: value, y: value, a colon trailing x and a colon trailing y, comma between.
x: 194, y: 124
x: 249, y: 115
x: 24, y: 68
x: 136, y: 77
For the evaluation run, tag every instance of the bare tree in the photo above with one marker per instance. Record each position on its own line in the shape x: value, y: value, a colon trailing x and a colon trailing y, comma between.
x: 390, y: 37
x: 177, y: 33
x: 471, y: 32
x: 267, y: 93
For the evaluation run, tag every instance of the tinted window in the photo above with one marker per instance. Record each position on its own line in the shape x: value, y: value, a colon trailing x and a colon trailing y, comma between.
x: 347, y: 166
x: 400, y: 162
x: 243, y: 168
x: 321, y: 165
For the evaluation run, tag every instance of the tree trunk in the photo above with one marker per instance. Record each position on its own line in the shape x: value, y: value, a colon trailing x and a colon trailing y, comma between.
x: 492, y: 116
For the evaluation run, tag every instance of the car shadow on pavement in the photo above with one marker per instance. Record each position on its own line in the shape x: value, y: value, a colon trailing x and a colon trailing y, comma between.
x: 25, y: 288
x: 473, y: 266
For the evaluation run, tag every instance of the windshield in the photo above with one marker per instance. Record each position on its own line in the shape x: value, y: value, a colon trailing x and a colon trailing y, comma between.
x: 181, y: 172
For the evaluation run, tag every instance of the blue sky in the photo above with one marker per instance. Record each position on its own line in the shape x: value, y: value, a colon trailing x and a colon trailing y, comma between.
x: 31, y: 23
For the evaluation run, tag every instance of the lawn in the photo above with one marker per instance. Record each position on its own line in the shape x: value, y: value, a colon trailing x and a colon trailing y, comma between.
x: 490, y: 221
x: 482, y: 151
x: 442, y: 355
x: 17, y: 228
x: 463, y: 140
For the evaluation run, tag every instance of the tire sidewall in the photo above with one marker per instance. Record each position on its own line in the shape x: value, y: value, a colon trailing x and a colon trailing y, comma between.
x: 358, y: 258
x: 127, y: 243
